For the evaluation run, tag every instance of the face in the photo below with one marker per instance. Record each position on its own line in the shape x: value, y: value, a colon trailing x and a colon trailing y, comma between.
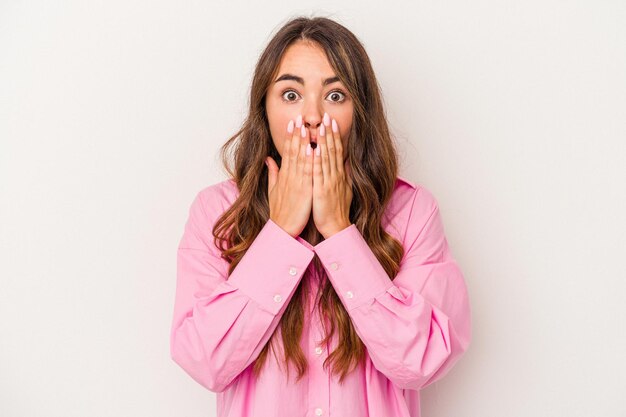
x: 307, y: 96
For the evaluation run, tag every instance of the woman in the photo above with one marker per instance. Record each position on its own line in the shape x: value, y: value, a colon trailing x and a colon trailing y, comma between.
x: 316, y: 250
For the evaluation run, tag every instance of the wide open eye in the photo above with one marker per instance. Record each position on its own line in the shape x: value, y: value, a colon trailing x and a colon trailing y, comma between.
x: 336, y: 93
x: 336, y: 96
x: 289, y: 96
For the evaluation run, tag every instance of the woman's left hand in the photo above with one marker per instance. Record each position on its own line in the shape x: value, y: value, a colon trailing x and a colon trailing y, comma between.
x: 332, y: 182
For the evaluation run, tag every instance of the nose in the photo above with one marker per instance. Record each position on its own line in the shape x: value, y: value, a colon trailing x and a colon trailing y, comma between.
x: 312, y: 118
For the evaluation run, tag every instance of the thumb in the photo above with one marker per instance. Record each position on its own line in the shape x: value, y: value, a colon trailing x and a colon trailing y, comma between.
x: 272, y: 173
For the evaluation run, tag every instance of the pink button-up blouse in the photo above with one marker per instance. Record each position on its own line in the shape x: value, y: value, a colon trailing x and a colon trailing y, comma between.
x: 415, y: 328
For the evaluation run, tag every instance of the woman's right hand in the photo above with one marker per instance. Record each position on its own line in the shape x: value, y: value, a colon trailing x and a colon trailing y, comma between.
x: 290, y: 188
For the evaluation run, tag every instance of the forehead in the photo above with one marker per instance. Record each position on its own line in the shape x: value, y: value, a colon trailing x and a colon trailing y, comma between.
x: 306, y: 59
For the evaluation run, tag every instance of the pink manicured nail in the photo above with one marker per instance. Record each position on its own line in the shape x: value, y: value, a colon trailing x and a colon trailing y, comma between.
x: 322, y: 130
x: 326, y: 119
x: 299, y: 120
x: 303, y: 131
x: 317, y: 150
x: 290, y: 126
x: 335, y: 128
x: 308, y: 149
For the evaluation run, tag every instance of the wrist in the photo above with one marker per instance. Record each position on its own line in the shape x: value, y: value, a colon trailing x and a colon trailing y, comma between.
x: 336, y: 230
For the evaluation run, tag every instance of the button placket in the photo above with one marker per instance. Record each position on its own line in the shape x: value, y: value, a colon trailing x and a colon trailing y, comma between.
x: 319, y: 392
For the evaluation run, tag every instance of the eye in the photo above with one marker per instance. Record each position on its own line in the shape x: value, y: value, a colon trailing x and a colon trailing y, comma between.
x: 291, y: 94
x: 337, y: 96
x: 336, y: 93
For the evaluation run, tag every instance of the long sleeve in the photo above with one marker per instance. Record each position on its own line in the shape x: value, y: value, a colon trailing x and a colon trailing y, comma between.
x: 417, y: 326
x: 220, y: 323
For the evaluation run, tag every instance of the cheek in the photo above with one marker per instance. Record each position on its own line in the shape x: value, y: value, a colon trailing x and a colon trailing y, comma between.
x: 345, y: 122
x: 278, y: 130
x: 345, y: 132
x: 274, y: 120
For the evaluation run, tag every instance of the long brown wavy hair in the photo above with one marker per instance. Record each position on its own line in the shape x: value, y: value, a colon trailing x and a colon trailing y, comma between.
x: 373, y: 160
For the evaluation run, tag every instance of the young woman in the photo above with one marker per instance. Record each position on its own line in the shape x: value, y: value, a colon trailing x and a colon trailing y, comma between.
x: 315, y: 255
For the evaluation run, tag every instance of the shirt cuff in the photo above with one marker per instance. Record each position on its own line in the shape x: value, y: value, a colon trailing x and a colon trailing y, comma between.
x: 352, y: 268
x: 272, y: 267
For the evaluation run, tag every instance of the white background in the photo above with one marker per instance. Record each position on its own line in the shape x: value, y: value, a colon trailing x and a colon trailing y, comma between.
x: 111, y: 115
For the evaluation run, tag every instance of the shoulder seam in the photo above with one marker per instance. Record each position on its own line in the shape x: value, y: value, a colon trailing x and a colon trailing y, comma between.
x: 435, y: 209
x: 410, y: 183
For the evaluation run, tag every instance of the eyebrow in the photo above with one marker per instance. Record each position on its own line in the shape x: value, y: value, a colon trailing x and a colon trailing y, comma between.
x: 301, y: 81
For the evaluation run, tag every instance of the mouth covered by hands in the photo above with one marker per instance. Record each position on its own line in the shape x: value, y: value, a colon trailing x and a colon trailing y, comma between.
x: 312, y: 179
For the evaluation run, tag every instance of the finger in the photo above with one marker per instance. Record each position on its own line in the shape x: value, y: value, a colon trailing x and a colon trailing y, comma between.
x: 284, y: 165
x: 271, y: 174
x: 330, y: 145
x: 318, y: 175
x: 348, y: 171
x: 302, y: 157
x: 308, y: 165
x: 338, y: 149
x: 322, y: 144
x: 294, y: 150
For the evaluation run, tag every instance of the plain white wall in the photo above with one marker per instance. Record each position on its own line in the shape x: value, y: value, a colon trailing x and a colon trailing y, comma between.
x: 111, y: 115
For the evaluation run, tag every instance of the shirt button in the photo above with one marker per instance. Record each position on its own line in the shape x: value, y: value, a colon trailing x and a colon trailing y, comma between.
x: 334, y: 266
x: 318, y: 411
x: 293, y: 271
x: 278, y: 298
x: 318, y: 350
x: 349, y: 294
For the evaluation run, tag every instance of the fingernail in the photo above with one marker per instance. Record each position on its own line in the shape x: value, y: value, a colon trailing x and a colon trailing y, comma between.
x: 317, y: 150
x: 335, y: 129
x: 326, y: 119
x: 290, y: 126
x: 303, y: 131
x: 322, y: 130
x: 308, y: 149
x: 299, y: 120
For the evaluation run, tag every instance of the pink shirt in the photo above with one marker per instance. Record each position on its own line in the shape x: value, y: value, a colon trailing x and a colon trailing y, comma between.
x: 415, y: 328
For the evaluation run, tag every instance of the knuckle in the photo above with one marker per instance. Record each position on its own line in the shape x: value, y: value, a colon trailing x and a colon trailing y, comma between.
x: 294, y: 150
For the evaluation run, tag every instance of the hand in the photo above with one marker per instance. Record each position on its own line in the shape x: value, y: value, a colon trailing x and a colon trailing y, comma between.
x: 332, y: 182
x: 290, y: 189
